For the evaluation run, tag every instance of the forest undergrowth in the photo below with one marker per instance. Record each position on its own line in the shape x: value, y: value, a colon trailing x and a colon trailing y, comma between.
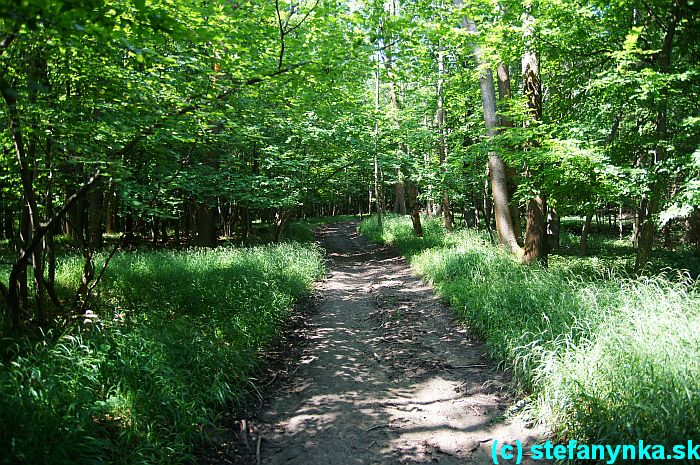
x: 173, y: 338
x: 601, y: 355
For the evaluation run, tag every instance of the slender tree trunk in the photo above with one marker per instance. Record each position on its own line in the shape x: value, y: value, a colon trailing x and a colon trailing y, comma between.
x: 20, y: 284
x: 663, y: 62
x: 8, y: 223
x: 621, y: 227
x: 553, y: 229
x: 487, y: 208
x: 637, y: 222
x: 30, y: 211
x: 497, y: 169
x: 504, y: 96
x: 442, y: 147
x: 377, y: 193
x: 111, y: 220
x: 585, y: 232
x: 95, y: 213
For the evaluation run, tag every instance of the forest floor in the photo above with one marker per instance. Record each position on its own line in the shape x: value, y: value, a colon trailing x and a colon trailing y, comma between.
x: 382, y: 373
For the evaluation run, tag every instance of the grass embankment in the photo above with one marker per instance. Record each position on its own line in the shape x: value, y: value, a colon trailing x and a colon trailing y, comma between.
x: 176, y: 340
x: 606, y: 358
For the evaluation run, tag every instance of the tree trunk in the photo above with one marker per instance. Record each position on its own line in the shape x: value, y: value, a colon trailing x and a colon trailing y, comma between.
x: 553, y: 229
x: 247, y: 223
x: 620, y: 225
x: 76, y: 220
x: 95, y: 204
x: 20, y: 283
x: 111, y: 221
x: 501, y: 204
x: 279, y: 223
x: 535, y: 232
x: 663, y: 62
x: 666, y: 233
x: 694, y: 228
x: 400, y: 199
x: 414, y: 207
x: 377, y: 190
x: 8, y: 223
x: 206, y: 226
x: 637, y: 222
x: 585, y: 231
x: 442, y: 147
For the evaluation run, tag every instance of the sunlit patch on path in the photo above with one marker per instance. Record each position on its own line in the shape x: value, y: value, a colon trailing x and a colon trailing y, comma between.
x: 387, y: 376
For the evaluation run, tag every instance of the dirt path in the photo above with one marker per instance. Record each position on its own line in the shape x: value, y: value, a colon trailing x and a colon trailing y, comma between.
x: 387, y: 377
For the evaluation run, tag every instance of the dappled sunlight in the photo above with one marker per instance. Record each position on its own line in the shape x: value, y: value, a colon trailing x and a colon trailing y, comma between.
x: 386, y: 376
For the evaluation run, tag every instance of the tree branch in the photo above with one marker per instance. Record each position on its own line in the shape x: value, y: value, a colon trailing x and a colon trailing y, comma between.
x: 143, y: 133
x: 7, y: 41
x: 303, y: 20
x: 44, y: 227
x: 283, y: 32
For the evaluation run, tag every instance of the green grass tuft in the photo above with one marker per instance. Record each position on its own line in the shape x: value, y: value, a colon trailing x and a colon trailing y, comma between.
x: 605, y: 357
x: 176, y: 338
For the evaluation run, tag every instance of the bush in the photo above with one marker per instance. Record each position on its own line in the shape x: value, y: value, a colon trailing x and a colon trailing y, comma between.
x: 606, y: 358
x: 176, y: 338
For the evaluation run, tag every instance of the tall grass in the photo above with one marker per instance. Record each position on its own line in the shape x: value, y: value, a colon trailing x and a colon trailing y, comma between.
x: 605, y: 357
x: 175, y: 338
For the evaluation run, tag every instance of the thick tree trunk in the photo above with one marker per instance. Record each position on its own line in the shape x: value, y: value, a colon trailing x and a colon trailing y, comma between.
x: 400, y: 199
x: 647, y: 231
x: 206, y: 226
x: 535, y: 233
x: 164, y: 231
x: 487, y: 209
x: 76, y: 221
x: 694, y: 228
x: 501, y: 204
x: 514, y: 206
x: 281, y: 216
x: 414, y: 208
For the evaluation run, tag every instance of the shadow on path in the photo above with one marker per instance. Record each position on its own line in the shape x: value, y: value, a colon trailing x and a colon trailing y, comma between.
x: 387, y: 375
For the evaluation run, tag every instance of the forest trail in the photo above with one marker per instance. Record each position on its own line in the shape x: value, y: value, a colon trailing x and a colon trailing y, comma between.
x: 387, y: 375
